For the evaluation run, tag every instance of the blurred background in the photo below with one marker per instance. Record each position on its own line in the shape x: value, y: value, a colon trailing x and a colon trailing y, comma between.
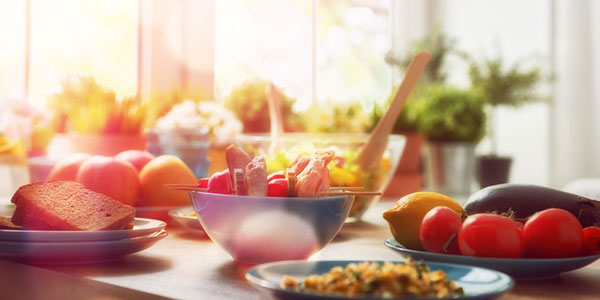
x: 532, y: 67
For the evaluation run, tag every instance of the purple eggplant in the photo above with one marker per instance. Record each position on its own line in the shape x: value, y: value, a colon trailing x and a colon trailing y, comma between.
x: 525, y: 200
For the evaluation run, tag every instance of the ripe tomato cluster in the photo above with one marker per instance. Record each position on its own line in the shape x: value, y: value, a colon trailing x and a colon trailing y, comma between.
x: 220, y: 183
x: 551, y: 233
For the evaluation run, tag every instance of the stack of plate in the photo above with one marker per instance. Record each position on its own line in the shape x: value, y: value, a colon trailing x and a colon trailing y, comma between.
x: 43, y: 246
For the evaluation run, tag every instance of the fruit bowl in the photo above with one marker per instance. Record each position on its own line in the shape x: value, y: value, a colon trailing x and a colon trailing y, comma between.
x: 344, y: 171
x: 265, y: 229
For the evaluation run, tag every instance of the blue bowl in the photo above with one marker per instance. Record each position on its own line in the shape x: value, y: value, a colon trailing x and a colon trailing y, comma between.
x: 266, y: 229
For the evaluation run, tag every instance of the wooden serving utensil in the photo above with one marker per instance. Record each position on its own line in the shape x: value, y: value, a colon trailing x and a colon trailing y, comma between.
x: 371, y: 153
x: 275, y: 113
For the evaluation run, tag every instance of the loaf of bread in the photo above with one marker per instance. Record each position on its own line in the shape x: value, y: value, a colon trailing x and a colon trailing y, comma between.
x: 68, y: 205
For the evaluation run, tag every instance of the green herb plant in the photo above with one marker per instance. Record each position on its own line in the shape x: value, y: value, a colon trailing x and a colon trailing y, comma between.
x: 449, y: 114
x: 441, y: 47
x: 505, y: 86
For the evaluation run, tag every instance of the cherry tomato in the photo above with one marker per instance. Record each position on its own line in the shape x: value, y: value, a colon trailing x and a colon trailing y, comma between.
x: 203, y: 182
x: 489, y: 235
x: 220, y: 183
x: 552, y: 233
x: 276, y: 175
x: 439, y: 226
x: 591, y: 240
x: 278, y: 188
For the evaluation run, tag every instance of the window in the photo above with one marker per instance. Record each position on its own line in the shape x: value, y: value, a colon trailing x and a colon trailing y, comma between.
x: 12, y: 43
x: 88, y: 37
x: 274, y: 40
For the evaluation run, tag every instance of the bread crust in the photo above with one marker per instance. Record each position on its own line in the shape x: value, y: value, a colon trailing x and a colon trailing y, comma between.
x: 68, y: 205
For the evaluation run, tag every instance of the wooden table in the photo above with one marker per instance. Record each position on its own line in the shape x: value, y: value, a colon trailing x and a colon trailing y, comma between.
x: 186, y: 266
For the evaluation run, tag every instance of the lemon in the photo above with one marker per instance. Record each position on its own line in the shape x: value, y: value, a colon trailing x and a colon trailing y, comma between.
x: 406, y: 216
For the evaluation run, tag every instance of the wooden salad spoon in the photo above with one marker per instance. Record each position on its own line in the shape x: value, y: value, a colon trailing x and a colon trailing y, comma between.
x: 370, y: 155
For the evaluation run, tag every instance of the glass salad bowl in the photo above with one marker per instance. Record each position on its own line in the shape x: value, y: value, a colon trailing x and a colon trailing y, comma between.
x: 344, y: 171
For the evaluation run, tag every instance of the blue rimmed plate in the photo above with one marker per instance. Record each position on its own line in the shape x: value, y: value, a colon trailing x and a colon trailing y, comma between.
x: 478, y: 283
x: 519, y: 268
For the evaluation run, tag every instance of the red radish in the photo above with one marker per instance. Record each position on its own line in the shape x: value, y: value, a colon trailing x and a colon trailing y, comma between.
x: 276, y: 175
x: 220, y: 183
x: 278, y: 188
x: 203, y: 183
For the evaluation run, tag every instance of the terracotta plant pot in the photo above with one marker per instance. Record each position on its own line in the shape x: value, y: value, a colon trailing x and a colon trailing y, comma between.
x: 95, y: 144
x: 408, y: 177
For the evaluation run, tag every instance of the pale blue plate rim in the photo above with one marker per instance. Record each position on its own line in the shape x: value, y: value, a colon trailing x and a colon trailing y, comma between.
x: 519, y: 268
x: 490, y: 290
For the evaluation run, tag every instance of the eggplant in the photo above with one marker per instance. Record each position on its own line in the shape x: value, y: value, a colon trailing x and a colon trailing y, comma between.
x: 525, y: 200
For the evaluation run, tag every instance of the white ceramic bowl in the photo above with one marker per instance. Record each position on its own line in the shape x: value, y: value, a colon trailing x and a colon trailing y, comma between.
x: 265, y: 229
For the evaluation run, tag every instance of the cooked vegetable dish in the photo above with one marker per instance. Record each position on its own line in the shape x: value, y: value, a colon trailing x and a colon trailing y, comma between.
x: 386, y: 280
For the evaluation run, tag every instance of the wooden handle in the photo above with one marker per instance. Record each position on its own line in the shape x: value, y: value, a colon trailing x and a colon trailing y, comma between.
x: 371, y: 154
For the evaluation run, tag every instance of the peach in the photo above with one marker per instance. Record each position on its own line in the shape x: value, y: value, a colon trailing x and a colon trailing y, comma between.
x: 114, y: 178
x: 137, y: 158
x: 162, y: 170
x: 66, y: 168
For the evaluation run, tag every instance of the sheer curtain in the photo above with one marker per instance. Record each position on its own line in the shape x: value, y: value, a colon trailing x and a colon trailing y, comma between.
x: 575, y: 116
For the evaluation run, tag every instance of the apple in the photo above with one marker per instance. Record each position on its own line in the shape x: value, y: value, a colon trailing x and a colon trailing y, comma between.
x: 137, y: 158
x: 109, y: 176
x: 66, y: 168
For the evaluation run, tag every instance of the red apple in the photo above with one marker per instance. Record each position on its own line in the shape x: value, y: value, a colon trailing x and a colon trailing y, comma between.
x: 66, y: 168
x: 114, y: 178
x: 137, y: 158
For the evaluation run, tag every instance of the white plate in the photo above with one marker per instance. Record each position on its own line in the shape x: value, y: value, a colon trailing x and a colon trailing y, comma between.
x: 189, y: 222
x: 76, y: 252
x: 141, y: 227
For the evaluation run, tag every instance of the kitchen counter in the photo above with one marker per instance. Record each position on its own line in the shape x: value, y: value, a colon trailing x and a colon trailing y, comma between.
x: 187, y: 265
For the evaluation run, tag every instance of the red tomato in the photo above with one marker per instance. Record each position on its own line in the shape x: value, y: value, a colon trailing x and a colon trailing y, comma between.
x: 203, y: 182
x: 520, y: 225
x: 276, y: 175
x: 552, y: 233
x: 278, y: 188
x: 439, y: 226
x: 489, y: 235
x: 220, y: 183
x: 591, y: 241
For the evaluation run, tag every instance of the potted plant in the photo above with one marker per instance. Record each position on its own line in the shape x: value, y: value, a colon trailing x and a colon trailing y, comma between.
x: 249, y: 103
x: 409, y: 173
x: 501, y: 86
x: 453, y: 122
x: 89, y: 118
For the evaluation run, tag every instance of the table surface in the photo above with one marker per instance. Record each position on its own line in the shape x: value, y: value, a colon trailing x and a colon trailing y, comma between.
x: 186, y: 265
